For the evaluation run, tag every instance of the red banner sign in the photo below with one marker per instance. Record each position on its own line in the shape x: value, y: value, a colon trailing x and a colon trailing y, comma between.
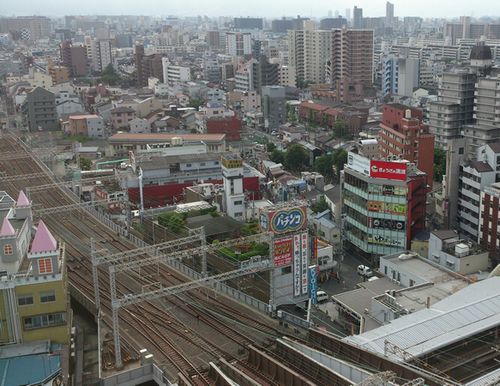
x: 388, y: 170
x: 283, y: 251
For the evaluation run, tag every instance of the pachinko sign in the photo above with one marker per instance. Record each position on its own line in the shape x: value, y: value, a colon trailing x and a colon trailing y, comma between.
x: 388, y: 170
x: 283, y: 251
x: 284, y: 220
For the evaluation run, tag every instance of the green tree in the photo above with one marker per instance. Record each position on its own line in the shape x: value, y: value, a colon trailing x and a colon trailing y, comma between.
x: 320, y: 205
x: 324, y: 165
x: 339, y: 158
x: 340, y: 129
x: 196, y: 103
x: 439, y: 164
x: 296, y: 158
x: 270, y: 147
x: 85, y: 163
x: 109, y: 76
x: 172, y: 221
x: 277, y: 156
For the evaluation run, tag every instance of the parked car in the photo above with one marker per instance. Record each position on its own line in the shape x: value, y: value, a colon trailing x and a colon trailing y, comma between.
x: 365, y: 271
x: 322, y: 296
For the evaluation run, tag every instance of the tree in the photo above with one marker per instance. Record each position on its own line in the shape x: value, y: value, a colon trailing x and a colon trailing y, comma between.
x: 85, y: 163
x: 296, y: 158
x: 172, y: 221
x: 339, y: 158
x: 277, y: 156
x: 324, y: 165
x: 109, y: 75
x: 320, y: 206
x: 439, y: 164
x: 270, y: 147
x: 196, y: 103
x: 340, y: 129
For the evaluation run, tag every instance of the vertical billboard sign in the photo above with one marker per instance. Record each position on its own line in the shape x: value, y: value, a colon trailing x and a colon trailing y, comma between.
x: 296, y: 265
x: 313, y: 284
x: 283, y: 251
x: 304, y: 262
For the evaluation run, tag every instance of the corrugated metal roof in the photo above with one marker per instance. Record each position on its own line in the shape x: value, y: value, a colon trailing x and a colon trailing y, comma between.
x: 487, y: 379
x: 469, y: 311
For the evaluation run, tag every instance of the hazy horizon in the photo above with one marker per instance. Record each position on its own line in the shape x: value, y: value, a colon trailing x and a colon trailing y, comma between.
x: 257, y: 8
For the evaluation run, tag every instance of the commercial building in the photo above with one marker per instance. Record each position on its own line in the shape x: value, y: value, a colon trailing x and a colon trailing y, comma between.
x: 28, y: 27
x: 39, y: 111
x: 273, y: 106
x: 402, y: 135
x: 59, y: 74
x: 232, y: 176
x: 238, y: 43
x: 389, y: 14
x: 383, y: 204
x: 33, y: 285
x: 350, y: 67
x: 309, y: 51
x: 332, y: 23
x: 229, y: 126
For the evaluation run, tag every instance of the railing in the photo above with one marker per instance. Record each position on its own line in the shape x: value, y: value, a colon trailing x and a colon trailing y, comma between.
x: 293, y: 319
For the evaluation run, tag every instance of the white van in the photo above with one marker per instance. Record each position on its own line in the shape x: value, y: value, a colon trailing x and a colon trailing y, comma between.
x: 322, y: 296
x: 363, y: 270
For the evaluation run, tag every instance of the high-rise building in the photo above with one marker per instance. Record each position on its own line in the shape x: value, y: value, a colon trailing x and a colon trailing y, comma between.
x: 273, y: 107
x: 138, y: 56
x: 75, y: 58
x: 309, y: 51
x: 389, y: 14
x: 455, y: 106
x: 400, y: 76
x: 232, y: 176
x: 402, y: 135
x: 383, y: 205
x: 489, y: 234
x: 350, y: 68
x: 147, y: 66
x: 248, y: 23
x: 32, y: 27
x: 332, y: 22
x: 239, y: 43
x: 98, y: 53
x: 39, y: 111
x: 174, y: 73
x: 357, y: 18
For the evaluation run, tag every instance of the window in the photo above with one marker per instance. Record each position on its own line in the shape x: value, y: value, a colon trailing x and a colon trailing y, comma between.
x: 45, y: 265
x: 286, y: 270
x: 412, y: 283
x: 238, y: 202
x: 7, y: 249
x: 25, y: 300
x: 47, y: 297
x: 41, y: 321
x: 238, y: 214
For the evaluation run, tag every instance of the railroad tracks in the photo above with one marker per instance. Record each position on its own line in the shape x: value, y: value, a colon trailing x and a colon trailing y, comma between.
x: 201, y: 322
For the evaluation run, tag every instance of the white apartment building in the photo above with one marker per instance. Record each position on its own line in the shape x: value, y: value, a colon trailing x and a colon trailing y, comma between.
x: 238, y: 43
x: 173, y: 73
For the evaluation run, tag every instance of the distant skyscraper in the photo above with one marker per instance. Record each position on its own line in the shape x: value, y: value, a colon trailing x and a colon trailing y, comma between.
x: 389, y: 14
x: 348, y: 14
x: 357, y: 18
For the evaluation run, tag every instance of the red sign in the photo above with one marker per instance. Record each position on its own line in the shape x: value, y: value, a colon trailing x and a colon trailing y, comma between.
x: 283, y: 251
x: 388, y: 170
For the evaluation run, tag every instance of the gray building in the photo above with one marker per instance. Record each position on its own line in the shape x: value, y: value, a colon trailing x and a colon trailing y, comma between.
x: 273, y: 106
x: 486, y: 113
x: 357, y: 19
x: 39, y: 111
x: 455, y: 106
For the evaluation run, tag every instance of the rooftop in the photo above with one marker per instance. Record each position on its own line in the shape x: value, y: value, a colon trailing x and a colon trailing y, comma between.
x: 43, y: 241
x: 445, y: 234
x: 467, y: 312
x: 165, y: 137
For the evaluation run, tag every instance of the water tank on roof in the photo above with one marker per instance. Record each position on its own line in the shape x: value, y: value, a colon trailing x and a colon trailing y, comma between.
x: 407, y: 113
x: 176, y: 141
x: 461, y: 250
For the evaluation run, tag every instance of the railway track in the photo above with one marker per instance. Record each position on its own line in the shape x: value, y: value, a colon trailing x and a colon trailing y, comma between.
x: 200, y: 321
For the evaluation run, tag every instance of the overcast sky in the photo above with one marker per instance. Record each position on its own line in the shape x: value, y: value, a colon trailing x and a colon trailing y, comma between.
x: 263, y: 8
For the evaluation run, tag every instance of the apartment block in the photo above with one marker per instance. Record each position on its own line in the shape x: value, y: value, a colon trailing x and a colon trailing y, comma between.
x: 39, y: 111
x: 238, y: 43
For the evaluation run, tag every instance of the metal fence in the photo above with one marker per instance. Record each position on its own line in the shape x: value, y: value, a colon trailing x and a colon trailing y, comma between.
x: 293, y: 319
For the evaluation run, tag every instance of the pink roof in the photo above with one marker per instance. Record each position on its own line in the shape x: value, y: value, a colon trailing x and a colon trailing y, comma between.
x: 22, y: 200
x: 7, y: 228
x: 43, y: 241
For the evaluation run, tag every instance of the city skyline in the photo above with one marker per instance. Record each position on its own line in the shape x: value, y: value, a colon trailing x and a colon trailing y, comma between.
x: 321, y: 8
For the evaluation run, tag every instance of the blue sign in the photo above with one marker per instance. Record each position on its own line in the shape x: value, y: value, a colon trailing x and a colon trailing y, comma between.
x: 288, y: 220
x: 313, y: 284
